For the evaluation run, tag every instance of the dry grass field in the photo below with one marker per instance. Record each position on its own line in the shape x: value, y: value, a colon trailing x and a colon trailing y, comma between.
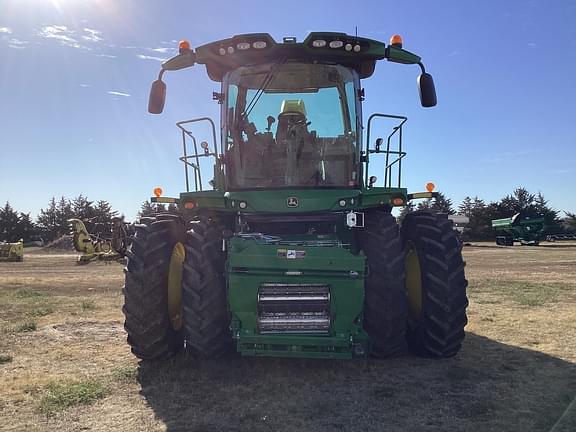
x: 65, y: 366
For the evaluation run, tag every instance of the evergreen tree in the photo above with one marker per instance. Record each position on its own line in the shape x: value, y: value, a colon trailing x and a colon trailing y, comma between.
x: 63, y: 213
x: 48, y: 222
x: 8, y: 223
x: 550, y: 215
x: 152, y: 209
x: 519, y: 201
x: 440, y: 204
x: 25, y: 229
x: 466, y: 207
x: 82, y: 208
x: 147, y: 209
x: 102, y: 219
x: 479, y: 226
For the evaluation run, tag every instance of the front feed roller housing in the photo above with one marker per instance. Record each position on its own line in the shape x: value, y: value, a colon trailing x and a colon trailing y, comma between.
x: 296, y: 296
x: 293, y: 251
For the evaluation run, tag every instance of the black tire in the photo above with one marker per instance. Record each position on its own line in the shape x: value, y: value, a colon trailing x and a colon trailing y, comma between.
x: 385, y: 308
x: 438, y: 329
x: 150, y: 333
x: 205, y: 307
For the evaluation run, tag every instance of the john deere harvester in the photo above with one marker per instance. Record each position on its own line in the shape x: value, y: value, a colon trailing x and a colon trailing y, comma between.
x: 294, y: 250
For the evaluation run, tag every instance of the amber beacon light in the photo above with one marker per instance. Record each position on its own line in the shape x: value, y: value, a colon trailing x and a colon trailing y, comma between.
x: 396, y: 41
x: 183, y: 45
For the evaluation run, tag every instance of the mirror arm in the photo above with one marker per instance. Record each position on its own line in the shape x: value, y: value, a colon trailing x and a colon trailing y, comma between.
x: 161, y: 74
x: 422, y: 67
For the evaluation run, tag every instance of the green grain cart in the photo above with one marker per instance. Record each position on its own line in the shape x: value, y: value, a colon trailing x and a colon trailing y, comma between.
x: 294, y: 251
x: 529, y: 231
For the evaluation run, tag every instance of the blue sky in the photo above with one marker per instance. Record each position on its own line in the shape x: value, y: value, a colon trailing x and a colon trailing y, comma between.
x: 75, y: 76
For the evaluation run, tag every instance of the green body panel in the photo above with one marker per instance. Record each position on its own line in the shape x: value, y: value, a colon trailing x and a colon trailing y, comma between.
x: 379, y: 196
x: 252, y: 262
x: 526, y: 230
x: 309, y: 200
x: 301, y: 346
x: 398, y: 55
x: 204, y: 199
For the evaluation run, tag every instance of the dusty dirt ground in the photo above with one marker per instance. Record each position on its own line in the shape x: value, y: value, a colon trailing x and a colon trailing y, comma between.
x: 62, y: 323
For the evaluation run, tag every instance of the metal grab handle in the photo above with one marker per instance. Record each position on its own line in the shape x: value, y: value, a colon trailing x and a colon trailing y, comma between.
x: 196, y: 155
x: 400, y: 153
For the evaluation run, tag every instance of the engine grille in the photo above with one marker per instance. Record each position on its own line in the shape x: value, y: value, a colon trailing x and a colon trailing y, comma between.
x: 293, y: 308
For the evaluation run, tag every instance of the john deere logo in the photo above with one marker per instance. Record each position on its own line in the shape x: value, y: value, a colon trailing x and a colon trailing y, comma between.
x: 292, y: 202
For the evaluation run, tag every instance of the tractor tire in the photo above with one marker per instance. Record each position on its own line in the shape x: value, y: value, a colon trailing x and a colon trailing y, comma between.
x: 385, y: 307
x: 436, y: 285
x: 205, y: 307
x: 147, y: 322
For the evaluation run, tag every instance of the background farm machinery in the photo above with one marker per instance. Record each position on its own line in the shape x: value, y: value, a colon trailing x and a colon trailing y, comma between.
x: 107, y: 242
x: 527, y: 230
x: 12, y: 251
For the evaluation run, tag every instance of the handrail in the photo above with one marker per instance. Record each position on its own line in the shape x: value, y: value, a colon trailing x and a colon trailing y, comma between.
x: 196, y: 155
x: 401, y: 154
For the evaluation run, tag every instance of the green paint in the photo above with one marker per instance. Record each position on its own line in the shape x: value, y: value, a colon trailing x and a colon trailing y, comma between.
x: 253, y: 262
x: 309, y: 200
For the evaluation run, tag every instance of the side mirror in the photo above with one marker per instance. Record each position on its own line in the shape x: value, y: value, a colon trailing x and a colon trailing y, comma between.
x: 157, y: 97
x: 427, y: 90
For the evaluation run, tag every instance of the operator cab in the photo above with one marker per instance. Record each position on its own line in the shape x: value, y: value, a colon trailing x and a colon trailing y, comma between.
x: 291, y: 112
x: 291, y: 125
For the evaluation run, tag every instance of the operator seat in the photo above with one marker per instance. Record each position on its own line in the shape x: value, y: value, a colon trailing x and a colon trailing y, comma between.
x: 255, y: 149
x: 296, y: 153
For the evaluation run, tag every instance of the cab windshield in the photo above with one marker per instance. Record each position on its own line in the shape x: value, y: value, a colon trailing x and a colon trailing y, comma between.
x: 290, y: 125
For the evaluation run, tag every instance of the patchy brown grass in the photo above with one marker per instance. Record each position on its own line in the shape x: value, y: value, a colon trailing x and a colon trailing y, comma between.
x: 516, y: 372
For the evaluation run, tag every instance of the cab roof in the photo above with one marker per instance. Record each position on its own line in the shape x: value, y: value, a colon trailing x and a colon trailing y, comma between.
x: 355, y: 52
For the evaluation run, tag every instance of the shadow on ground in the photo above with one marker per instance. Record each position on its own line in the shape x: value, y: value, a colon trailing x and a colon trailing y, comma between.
x: 489, y: 386
x: 468, y: 245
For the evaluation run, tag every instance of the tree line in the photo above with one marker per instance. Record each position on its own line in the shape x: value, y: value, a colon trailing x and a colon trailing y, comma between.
x: 52, y: 222
x: 481, y: 213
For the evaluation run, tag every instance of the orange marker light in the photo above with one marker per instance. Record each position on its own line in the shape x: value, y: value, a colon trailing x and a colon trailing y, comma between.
x: 398, y: 201
x: 189, y: 205
x: 158, y: 192
x: 430, y: 187
x: 396, y: 41
x: 183, y: 45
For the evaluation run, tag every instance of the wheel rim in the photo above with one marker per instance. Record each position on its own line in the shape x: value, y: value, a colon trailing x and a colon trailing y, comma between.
x: 175, y: 285
x: 413, y: 282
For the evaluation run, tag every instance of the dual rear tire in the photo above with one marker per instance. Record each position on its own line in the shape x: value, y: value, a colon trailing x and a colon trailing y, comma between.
x: 159, y: 321
x: 415, y: 289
